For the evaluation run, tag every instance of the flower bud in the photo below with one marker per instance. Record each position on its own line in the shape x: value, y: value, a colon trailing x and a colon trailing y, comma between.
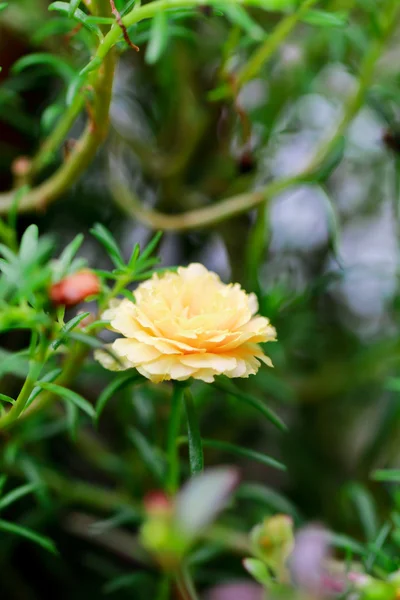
x: 273, y: 542
x: 21, y: 166
x: 159, y: 533
x: 74, y: 289
x: 158, y: 504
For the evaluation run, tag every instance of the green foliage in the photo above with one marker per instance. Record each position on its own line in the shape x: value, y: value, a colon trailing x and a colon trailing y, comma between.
x: 230, y: 109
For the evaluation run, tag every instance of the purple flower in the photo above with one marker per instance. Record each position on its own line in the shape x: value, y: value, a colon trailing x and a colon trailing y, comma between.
x: 239, y: 590
x: 308, y: 563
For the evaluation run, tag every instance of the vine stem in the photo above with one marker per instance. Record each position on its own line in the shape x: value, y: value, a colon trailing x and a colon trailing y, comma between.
x: 173, y: 434
x: 230, y: 207
x: 92, y: 137
x: 148, y: 11
x: 85, y: 148
x: 272, y: 43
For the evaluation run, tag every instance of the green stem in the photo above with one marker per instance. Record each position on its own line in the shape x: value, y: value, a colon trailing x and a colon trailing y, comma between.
x: 202, y: 217
x: 367, y: 71
x: 185, y: 584
x: 272, y: 43
x: 257, y: 248
x: 74, y: 491
x: 85, y: 149
x: 148, y: 11
x: 12, y: 415
x: 71, y: 368
x: 56, y: 138
x: 230, y: 207
x: 173, y: 434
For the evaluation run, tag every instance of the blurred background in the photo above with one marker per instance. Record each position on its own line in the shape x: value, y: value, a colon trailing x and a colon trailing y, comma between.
x: 323, y: 258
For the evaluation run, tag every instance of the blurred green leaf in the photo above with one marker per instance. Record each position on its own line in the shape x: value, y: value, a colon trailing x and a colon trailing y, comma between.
x: 230, y: 388
x: 124, y: 581
x: 75, y: 88
x: 149, y: 454
x: 117, y: 383
x: 243, y: 452
x: 258, y: 570
x: 50, y: 116
x: 29, y: 244
x: 344, y: 542
x: 267, y: 496
x: 68, y: 327
x: 376, y: 546
x: 78, y: 15
x: 67, y: 255
x: 16, y: 529
x: 13, y: 362
x: 59, y: 65
x: 333, y: 226
x: 73, y: 5
x: 365, y: 507
x: 158, y: 38
x: 239, y: 16
x: 388, y: 475
x: 323, y: 18
x: 16, y: 494
x: 69, y: 396
x: 194, y: 438
x: 106, y: 239
x: 5, y: 398
x: 331, y: 162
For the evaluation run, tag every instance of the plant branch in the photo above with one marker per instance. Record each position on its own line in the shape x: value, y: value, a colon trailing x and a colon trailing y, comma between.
x: 83, y: 153
x: 230, y: 207
x: 173, y: 433
x: 271, y: 44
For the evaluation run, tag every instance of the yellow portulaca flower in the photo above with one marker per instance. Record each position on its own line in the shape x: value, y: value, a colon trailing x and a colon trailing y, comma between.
x: 188, y: 324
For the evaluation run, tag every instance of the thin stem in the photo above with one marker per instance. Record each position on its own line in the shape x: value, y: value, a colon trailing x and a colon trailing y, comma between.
x: 356, y: 101
x: 15, y: 411
x: 57, y: 136
x: 71, y: 368
x: 185, y: 584
x: 85, y: 149
x: 80, y: 492
x: 147, y: 12
x: 173, y: 434
x: 69, y: 172
x: 236, y: 205
x: 202, y: 217
x: 257, y: 247
x: 271, y: 44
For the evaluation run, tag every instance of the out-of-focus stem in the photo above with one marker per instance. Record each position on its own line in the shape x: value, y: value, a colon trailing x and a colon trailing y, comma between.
x: 83, y: 153
x: 201, y: 217
x: 271, y: 44
x: 235, y: 205
x: 173, y: 434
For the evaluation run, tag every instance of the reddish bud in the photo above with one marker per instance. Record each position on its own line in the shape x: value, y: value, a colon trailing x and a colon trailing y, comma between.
x: 21, y: 166
x: 157, y: 503
x: 75, y: 288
